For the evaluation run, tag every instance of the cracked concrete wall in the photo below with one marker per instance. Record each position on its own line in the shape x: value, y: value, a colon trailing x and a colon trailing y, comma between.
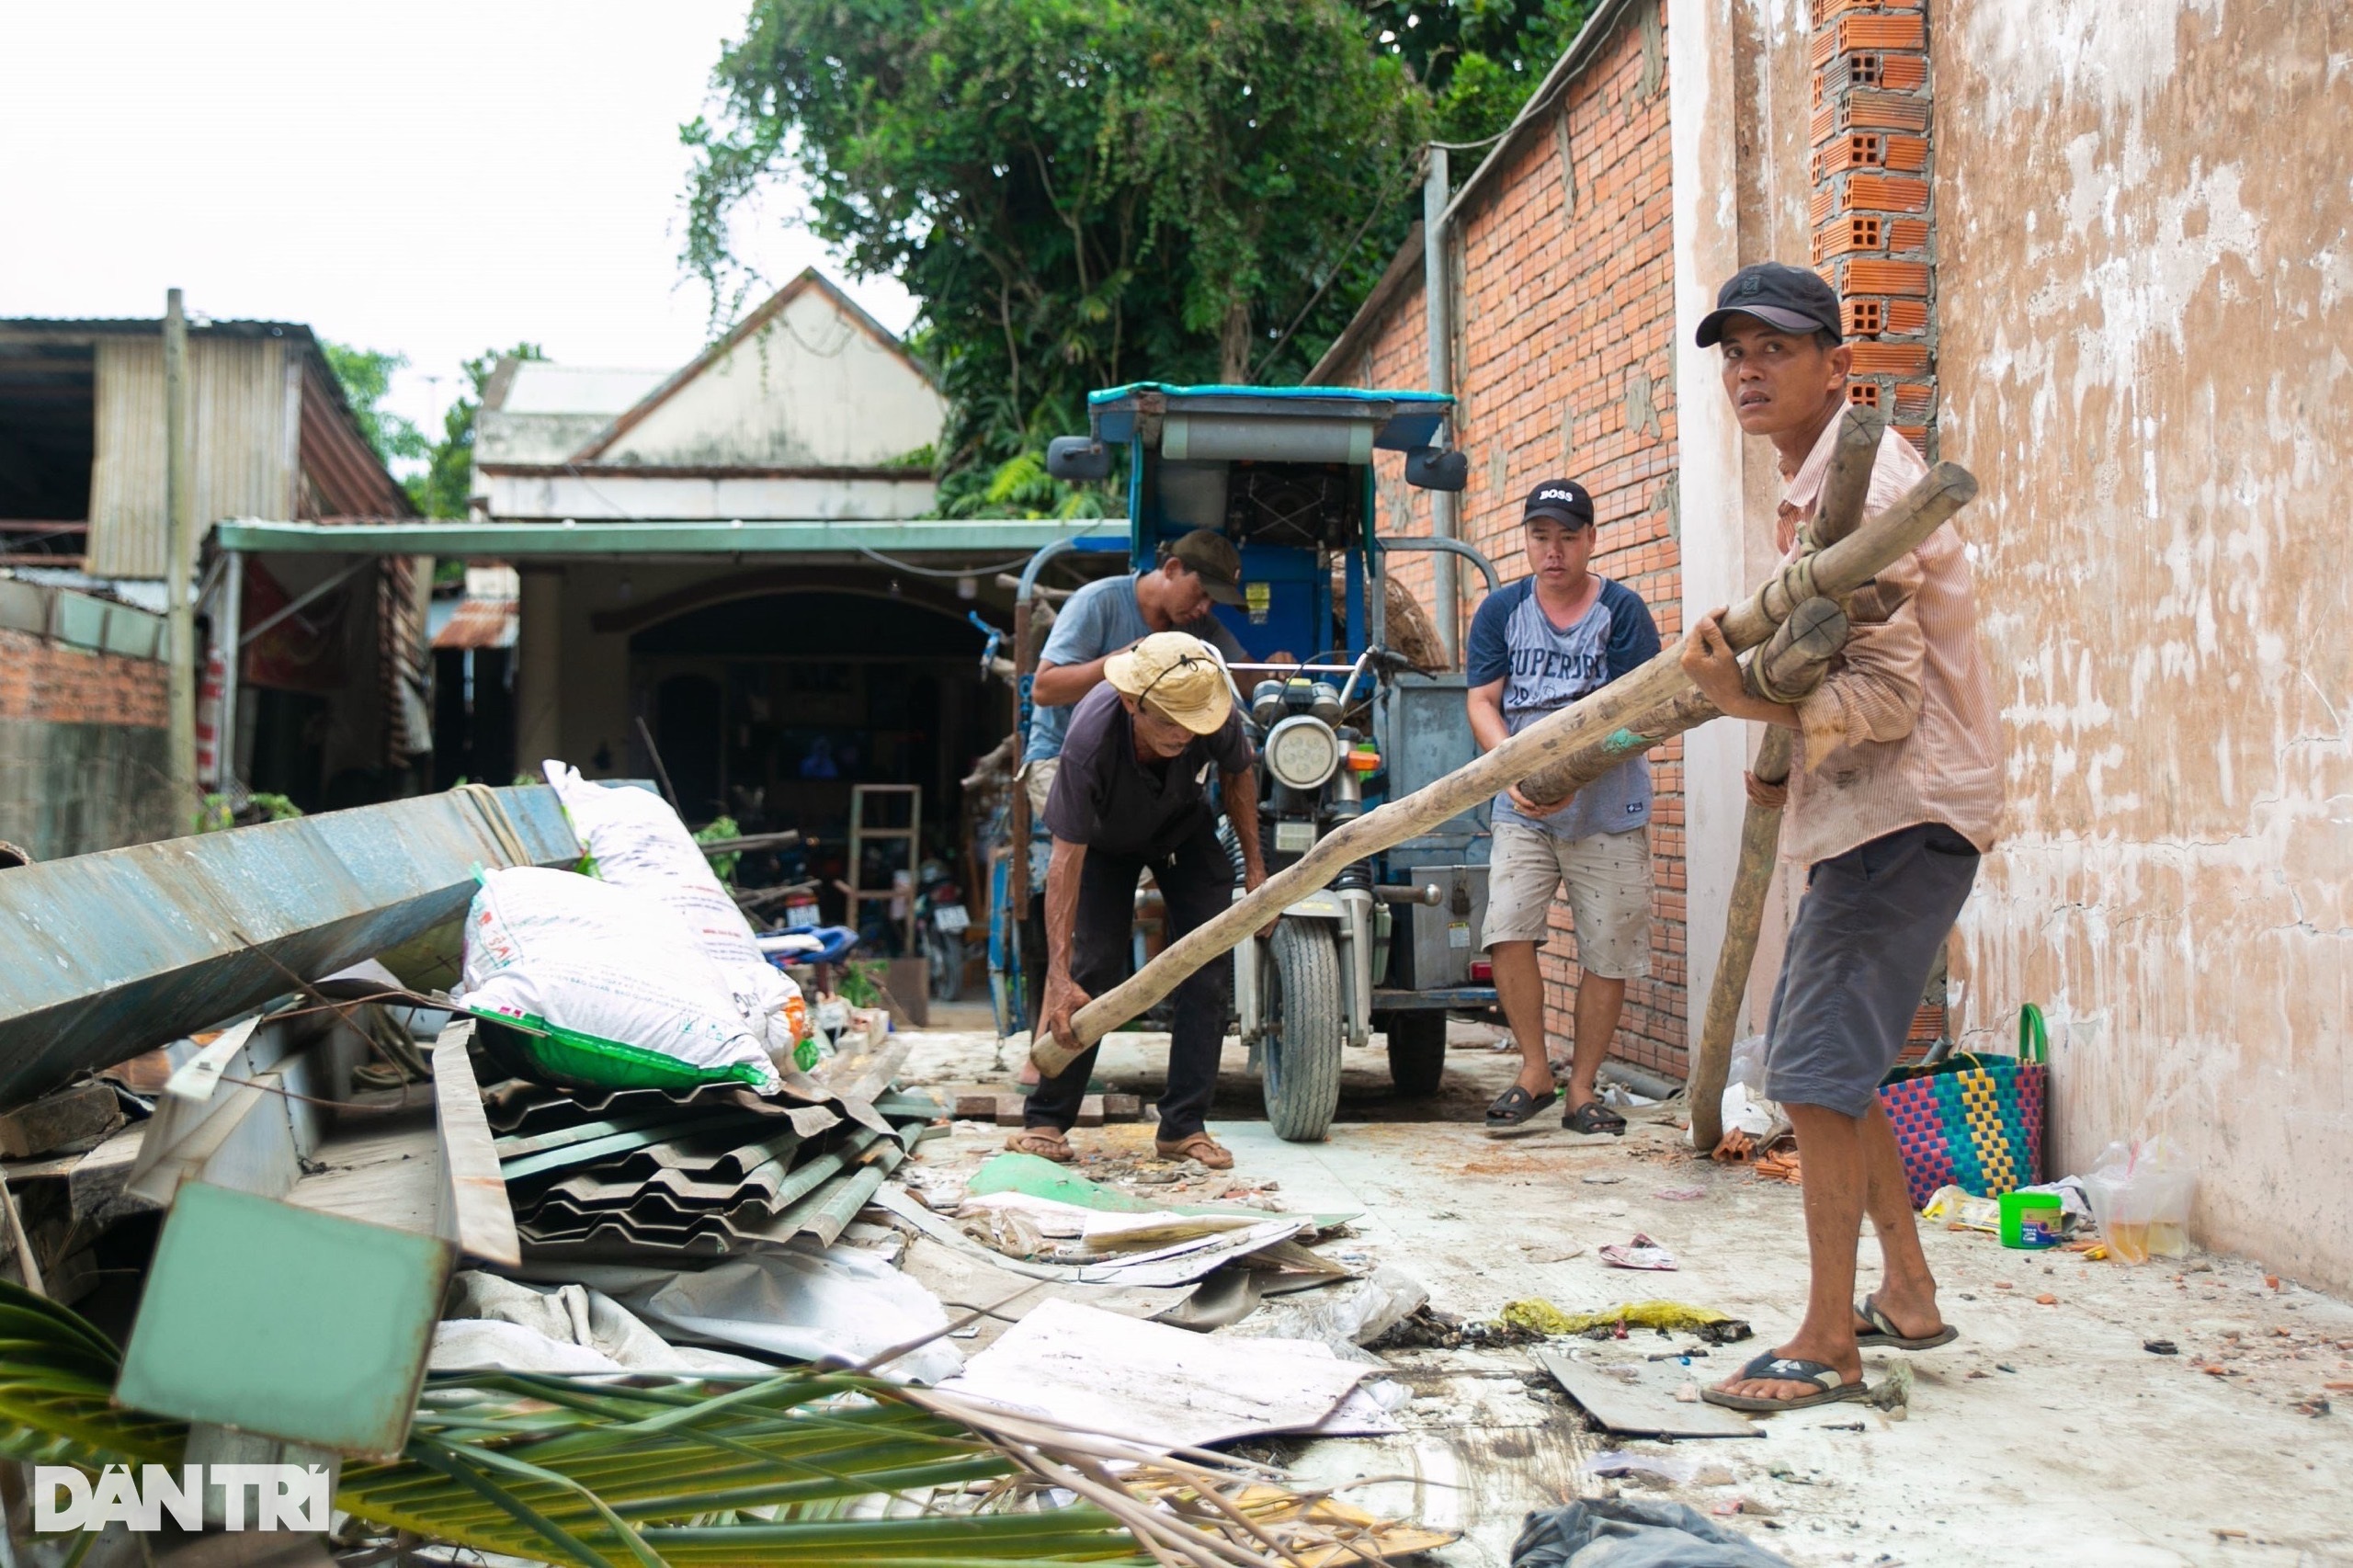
x: 2148, y: 287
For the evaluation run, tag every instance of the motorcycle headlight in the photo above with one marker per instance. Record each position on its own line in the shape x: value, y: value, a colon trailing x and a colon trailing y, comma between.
x: 1302, y: 752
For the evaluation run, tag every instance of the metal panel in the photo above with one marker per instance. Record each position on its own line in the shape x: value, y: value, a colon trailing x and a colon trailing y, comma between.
x: 1423, y: 739
x: 1445, y: 940
x: 276, y: 1320
x: 517, y: 540
x: 238, y: 437
x: 127, y: 525
x: 119, y: 952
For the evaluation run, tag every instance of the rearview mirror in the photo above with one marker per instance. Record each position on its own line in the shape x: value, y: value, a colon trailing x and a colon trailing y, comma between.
x: 1427, y: 468
x: 1079, y: 459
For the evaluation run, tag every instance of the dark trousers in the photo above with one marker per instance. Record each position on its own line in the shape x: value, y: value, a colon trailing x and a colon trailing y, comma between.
x: 1196, y: 881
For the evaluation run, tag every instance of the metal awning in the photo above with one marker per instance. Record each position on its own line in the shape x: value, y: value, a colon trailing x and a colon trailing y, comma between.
x: 996, y: 537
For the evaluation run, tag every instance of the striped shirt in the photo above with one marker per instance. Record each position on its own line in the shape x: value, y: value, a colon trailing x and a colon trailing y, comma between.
x: 1905, y: 730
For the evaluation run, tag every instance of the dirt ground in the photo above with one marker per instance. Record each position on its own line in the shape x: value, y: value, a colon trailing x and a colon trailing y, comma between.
x: 2047, y: 1434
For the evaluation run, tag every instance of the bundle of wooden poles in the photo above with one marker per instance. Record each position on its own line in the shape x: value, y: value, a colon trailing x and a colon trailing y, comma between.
x: 1796, y: 621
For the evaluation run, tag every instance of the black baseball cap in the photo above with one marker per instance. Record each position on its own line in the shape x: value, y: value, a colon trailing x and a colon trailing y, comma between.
x: 1790, y: 298
x: 1210, y: 556
x: 1562, y: 500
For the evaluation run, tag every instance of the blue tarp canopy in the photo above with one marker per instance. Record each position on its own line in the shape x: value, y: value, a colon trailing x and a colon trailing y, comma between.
x: 1402, y: 421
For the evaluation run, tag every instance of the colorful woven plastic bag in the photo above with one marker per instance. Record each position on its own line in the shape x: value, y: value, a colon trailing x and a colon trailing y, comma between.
x: 1971, y: 1121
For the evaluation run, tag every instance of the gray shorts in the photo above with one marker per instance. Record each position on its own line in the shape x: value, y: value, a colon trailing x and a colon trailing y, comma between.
x: 1866, y: 936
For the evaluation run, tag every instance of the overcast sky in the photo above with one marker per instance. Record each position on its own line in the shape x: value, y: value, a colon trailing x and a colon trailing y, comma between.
x: 426, y: 177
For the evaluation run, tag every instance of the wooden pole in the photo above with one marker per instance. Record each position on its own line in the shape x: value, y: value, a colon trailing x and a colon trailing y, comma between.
x: 179, y: 560
x: 1620, y: 719
x: 1844, y: 491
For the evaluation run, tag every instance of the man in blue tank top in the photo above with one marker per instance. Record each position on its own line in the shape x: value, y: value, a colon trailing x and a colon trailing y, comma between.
x: 1536, y: 646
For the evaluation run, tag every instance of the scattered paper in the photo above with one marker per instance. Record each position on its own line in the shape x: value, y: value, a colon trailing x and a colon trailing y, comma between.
x: 1101, y: 1372
x: 1639, y: 1252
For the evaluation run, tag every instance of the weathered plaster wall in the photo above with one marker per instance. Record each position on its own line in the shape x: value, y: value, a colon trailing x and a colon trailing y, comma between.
x: 2147, y: 289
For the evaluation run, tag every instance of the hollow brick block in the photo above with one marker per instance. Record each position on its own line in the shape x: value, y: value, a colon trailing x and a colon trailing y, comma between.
x: 1906, y: 155
x: 1891, y: 358
x: 1908, y: 234
x: 1865, y: 318
x: 1907, y: 315
x: 1878, y: 193
x: 1896, y: 31
x: 1903, y: 72
x: 1869, y: 276
x: 1882, y: 111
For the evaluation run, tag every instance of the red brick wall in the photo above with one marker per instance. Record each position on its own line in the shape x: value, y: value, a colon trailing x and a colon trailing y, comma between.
x: 1564, y: 319
x: 1872, y: 204
x: 68, y: 686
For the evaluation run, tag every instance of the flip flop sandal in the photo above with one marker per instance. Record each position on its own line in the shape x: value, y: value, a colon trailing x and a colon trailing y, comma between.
x: 1044, y: 1142
x: 1593, y: 1119
x: 1198, y: 1146
x: 1788, y: 1370
x: 1883, y: 1335
x: 1515, y: 1107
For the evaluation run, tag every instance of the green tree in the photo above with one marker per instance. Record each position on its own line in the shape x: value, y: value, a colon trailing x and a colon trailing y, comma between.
x: 441, y: 491
x: 366, y: 375
x: 1079, y: 192
x: 1479, y: 59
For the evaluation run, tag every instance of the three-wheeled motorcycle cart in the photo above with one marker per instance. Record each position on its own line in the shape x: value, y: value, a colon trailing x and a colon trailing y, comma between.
x: 1341, y: 721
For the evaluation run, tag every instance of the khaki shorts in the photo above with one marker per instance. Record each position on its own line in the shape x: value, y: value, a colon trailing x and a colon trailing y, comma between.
x: 1609, y: 885
x: 1038, y: 777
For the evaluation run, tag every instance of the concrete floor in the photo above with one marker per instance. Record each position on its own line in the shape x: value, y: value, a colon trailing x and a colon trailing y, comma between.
x: 2047, y: 1434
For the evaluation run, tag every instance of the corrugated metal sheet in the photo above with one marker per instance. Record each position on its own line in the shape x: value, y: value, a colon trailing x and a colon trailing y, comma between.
x: 241, y: 438
x: 479, y: 623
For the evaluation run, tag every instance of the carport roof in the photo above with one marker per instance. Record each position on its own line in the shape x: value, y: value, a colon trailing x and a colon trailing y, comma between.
x: 518, y: 541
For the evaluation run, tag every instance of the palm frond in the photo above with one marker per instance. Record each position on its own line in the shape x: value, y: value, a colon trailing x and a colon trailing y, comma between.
x: 813, y: 1466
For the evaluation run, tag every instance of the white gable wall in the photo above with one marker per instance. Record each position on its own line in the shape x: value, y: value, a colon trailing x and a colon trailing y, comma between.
x: 813, y: 389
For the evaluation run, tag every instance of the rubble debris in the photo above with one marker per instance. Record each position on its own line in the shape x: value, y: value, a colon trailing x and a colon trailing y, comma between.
x: 498, y: 1325
x: 803, y: 1303
x: 1433, y: 1328
x: 1542, y: 1318
x: 67, y: 1120
x: 1639, y: 1252
x: 1343, y: 1316
x: 1006, y: 1110
x: 1011, y: 1172
x: 1309, y: 1531
x: 2161, y: 1347
x: 1101, y: 1372
x: 1640, y: 1399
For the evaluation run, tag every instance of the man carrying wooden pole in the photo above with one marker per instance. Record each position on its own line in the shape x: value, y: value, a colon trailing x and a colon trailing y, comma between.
x: 1896, y: 794
x: 1624, y: 719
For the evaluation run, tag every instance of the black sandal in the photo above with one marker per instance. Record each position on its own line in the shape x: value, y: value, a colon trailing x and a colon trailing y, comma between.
x: 1883, y: 1335
x: 1830, y: 1387
x: 1515, y: 1107
x: 1593, y: 1119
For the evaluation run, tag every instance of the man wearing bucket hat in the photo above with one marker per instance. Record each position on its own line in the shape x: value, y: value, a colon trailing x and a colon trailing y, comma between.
x: 1132, y: 795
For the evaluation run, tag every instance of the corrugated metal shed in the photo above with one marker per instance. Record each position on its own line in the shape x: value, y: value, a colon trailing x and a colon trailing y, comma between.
x: 241, y: 433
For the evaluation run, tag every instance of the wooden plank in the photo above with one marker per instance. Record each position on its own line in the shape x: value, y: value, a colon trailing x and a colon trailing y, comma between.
x: 1637, y: 1399
x: 82, y: 1114
x: 474, y: 1212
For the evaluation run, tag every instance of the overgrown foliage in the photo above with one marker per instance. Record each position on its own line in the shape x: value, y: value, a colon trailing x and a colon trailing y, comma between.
x: 1082, y: 194
x: 441, y: 491
x: 366, y: 375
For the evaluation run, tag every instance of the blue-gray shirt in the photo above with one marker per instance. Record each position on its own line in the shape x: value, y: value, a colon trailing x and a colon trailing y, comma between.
x: 1103, y: 618
x: 1545, y: 667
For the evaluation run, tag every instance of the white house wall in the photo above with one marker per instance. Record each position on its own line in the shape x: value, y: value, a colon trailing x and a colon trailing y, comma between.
x: 815, y: 389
